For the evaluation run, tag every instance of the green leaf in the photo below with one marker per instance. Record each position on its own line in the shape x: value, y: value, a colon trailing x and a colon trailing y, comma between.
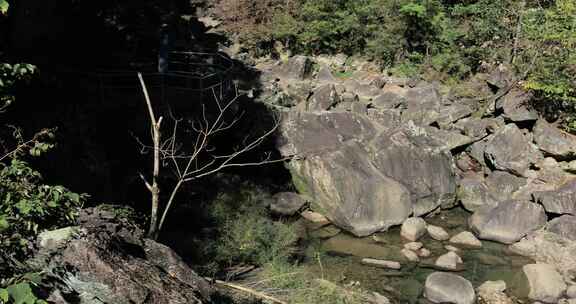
x: 4, y: 295
x: 4, y: 5
x: 4, y: 224
x: 22, y: 293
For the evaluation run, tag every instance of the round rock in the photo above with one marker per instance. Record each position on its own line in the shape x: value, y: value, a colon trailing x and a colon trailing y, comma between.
x: 413, y: 228
x: 441, y: 287
x: 437, y: 233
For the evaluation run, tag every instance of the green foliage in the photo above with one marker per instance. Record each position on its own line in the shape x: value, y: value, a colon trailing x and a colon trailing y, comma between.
x: 9, y: 75
x: 27, y: 207
x: 246, y: 233
x: 21, y: 290
x: 4, y: 5
x: 304, y: 287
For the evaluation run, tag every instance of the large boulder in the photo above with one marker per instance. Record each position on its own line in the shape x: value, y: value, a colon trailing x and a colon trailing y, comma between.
x: 554, y: 142
x: 545, y: 283
x: 323, y: 98
x: 412, y: 158
x: 508, y: 222
x: 515, y: 106
x: 351, y: 192
x: 304, y: 132
x: 473, y: 194
x: 503, y: 185
x: 564, y: 226
x: 510, y: 150
x: 561, y: 200
x: 286, y: 203
x: 422, y: 105
x: 298, y: 67
x: 441, y: 287
x: 110, y: 260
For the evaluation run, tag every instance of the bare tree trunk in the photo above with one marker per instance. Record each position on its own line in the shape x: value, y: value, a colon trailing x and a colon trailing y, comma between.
x: 153, y: 188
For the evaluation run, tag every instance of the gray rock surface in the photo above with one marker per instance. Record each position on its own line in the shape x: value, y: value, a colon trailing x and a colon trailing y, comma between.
x: 413, y: 228
x: 515, y: 106
x: 474, y: 194
x: 110, y: 260
x: 561, y: 200
x: 546, y: 284
x: 510, y: 150
x: 351, y: 192
x: 437, y: 233
x: 508, y: 222
x: 422, y: 105
x: 443, y: 287
x: 502, y: 185
x: 323, y: 98
x: 564, y: 226
x: 449, y: 261
x: 298, y: 67
x: 554, y: 142
x: 465, y: 238
x: 286, y: 203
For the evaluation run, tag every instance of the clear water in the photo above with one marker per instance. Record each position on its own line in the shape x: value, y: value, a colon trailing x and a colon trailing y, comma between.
x: 343, y: 253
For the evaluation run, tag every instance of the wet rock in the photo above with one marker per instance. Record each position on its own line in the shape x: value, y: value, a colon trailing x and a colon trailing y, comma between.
x: 551, y: 248
x: 414, y: 246
x: 437, y: 233
x: 546, y: 284
x: 509, y: 150
x: 474, y: 194
x: 323, y: 98
x: 354, y: 195
x: 492, y: 292
x: 554, y: 142
x: 413, y: 228
x: 515, y: 106
x: 110, y: 260
x: 382, y: 263
x: 451, y: 248
x: 508, y: 222
x: 448, y: 288
x: 449, y: 261
x: 560, y: 201
x: 315, y: 218
x: 564, y: 226
x: 410, y: 255
x: 424, y: 252
x: 286, y: 203
x: 465, y: 238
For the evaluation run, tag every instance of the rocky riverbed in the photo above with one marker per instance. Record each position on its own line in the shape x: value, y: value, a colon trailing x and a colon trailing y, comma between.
x: 394, y: 161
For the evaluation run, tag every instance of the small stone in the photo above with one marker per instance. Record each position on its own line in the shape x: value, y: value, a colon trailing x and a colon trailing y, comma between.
x: 382, y: 263
x: 424, y: 252
x: 442, y: 287
x: 56, y: 238
x: 315, y: 218
x: 546, y: 284
x: 466, y: 238
x: 379, y: 299
x: 413, y: 228
x: 410, y: 255
x: 449, y: 261
x: 492, y: 292
x: 451, y: 248
x: 437, y: 233
x: 414, y: 246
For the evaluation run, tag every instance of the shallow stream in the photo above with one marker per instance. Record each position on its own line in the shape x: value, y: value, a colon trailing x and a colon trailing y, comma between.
x: 341, y: 261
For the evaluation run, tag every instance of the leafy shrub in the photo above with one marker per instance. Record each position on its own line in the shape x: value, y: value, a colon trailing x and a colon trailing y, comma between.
x: 21, y: 290
x: 246, y: 233
x: 28, y: 207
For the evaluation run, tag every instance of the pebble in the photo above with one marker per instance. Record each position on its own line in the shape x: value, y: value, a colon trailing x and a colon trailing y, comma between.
x: 382, y: 263
x: 437, y: 233
x: 424, y: 252
x: 413, y: 228
x: 466, y: 238
x: 449, y: 261
x: 414, y: 246
x: 410, y: 255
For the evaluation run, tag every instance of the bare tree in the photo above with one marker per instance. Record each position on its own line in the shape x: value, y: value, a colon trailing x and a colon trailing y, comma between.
x: 196, y: 159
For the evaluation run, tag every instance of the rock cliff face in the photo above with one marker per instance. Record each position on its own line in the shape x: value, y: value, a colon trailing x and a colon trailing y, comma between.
x: 372, y: 150
x: 106, y: 260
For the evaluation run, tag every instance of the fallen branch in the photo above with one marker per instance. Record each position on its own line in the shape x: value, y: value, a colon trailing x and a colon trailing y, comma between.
x: 247, y: 290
